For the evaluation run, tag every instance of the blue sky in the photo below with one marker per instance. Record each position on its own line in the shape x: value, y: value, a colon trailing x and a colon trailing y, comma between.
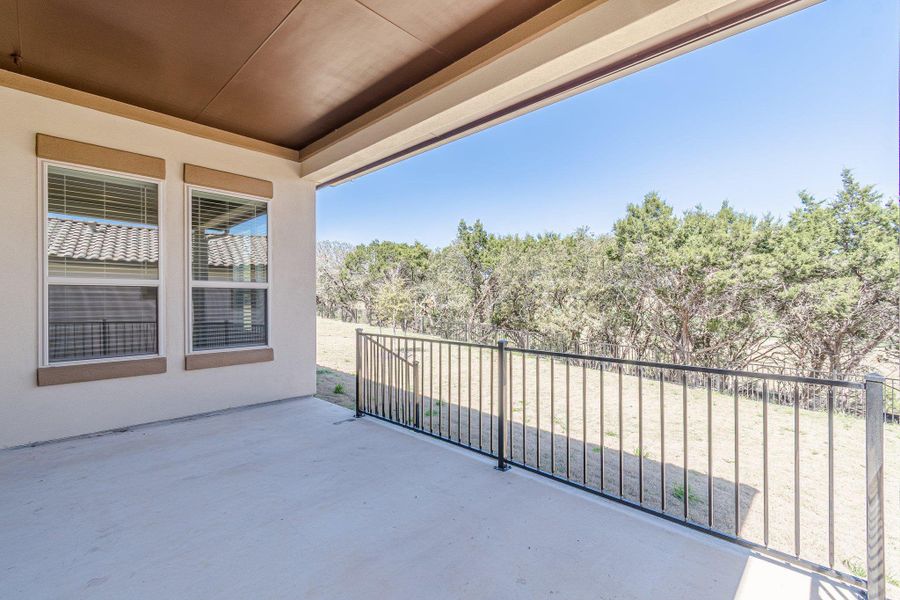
x: 752, y: 120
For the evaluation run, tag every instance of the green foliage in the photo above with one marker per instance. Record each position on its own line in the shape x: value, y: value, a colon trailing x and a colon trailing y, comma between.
x: 840, y: 277
x: 678, y: 492
x: 818, y: 292
x: 339, y: 388
x: 385, y: 277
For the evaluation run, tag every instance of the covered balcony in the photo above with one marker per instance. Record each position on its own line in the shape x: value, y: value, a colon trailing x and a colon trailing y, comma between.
x: 160, y: 430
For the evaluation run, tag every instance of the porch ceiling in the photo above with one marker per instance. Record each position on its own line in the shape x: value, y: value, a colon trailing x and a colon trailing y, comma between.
x: 281, y: 71
x: 346, y: 86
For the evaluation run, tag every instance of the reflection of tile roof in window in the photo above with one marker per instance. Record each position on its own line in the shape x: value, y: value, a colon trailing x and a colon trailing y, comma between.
x: 126, y: 243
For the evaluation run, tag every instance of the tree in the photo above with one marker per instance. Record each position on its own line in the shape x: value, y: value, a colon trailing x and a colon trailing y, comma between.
x: 370, y: 268
x: 463, y: 276
x: 699, y: 280
x: 719, y: 288
x: 332, y: 292
x: 840, y: 278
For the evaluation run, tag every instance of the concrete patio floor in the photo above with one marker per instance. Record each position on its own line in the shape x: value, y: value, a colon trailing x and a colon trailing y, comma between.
x: 299, y: 500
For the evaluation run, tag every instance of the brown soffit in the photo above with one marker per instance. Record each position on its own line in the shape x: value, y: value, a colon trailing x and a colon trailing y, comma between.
x: 230, y: 182
x: 211, y: 360
x: 495, y: 49
x: 80, y: 153
x: 96, y: 371
x: 284, y: 71
x: 114, y: 107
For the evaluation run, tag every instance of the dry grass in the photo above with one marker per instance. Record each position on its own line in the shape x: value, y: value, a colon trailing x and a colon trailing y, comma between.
x: 576, y: 425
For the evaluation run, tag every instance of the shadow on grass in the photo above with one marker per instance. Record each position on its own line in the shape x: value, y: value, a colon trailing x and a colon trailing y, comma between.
x: 336, y: 386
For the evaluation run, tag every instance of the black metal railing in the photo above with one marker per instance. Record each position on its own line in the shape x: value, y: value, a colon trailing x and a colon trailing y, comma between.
x: 738, y: 454
x: 486, y: 334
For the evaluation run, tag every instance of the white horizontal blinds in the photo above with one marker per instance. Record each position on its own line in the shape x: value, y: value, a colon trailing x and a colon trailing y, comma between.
x: 229, y: 271
x: 101, y: 226
x: 229, y: 317
x: 102, y: 265
x: 229, y: 238
x: 101, y: 321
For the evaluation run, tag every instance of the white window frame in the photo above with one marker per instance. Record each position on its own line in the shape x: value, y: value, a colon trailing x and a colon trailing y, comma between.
x: 190, y: 284
x: 46, y: 279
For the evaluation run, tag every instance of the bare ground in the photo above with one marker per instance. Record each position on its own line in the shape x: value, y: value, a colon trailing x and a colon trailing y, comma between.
x: 561, y: 430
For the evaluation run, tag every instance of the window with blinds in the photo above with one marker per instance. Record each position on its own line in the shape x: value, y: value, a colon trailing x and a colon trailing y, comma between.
x: 102, y: 265
x: 229, y: 271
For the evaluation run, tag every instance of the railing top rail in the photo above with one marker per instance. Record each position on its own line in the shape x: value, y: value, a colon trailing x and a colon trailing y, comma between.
x: 430, y: 339
x: 640, y: 363
x: 386, y: 349
x: 694, y: 369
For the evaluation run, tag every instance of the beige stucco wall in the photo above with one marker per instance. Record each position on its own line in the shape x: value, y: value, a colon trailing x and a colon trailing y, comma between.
x: 29, y: 413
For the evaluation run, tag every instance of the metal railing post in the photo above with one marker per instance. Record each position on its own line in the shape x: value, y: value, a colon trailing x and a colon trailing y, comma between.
x: 501, y: 413
x: 358, y: 364
x: 875, y: 567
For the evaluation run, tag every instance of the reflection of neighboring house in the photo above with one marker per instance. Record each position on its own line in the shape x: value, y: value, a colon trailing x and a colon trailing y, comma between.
x: 123, y: 251
x: 88, y: 243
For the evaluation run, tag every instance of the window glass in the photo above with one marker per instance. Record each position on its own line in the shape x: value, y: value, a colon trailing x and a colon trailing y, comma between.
x: 101, y: 226
x: 102, y: 253
x: 229, y: 238
x: 101, y: 321
x: 229, y: 317
x: 229, y: 271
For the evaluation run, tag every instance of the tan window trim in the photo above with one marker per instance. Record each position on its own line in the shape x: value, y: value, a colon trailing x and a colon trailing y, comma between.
x: 102, y: 370
x: 229, y: 182
x: 211, y: 360
x: 91, y: 155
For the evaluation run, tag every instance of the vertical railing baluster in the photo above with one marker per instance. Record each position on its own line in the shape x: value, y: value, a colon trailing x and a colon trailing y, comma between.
x: 797, y: 470
x: 440, y: 389
x: 373, y: 376
x: 480, y: 396
x: 491, y: 400
x: 524, y: 423
x: 449, y: 391
x: 431, y: 387
x: 621, y: 447
x: 584, y: 448
x: 765, y: 417
x: 501, y: 392
x: 830, y: 408
x: 459, y: 393
x: 737, y: 461
x: 407, y: 405
x: 509, y: 399
x: 684, y: 441
x: 640, y: 448
x: 876, y: 584
x: 417, y: 405
x: 358, y: 377
x: 568, y: 427
x: 552, y: 419
x: 390, y: 378
x: 662, y: 441
x: 381, y: 377
x: 469, y: 395
x: 602, y: 432
x: 537, y: 405
x: 709, y: 452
